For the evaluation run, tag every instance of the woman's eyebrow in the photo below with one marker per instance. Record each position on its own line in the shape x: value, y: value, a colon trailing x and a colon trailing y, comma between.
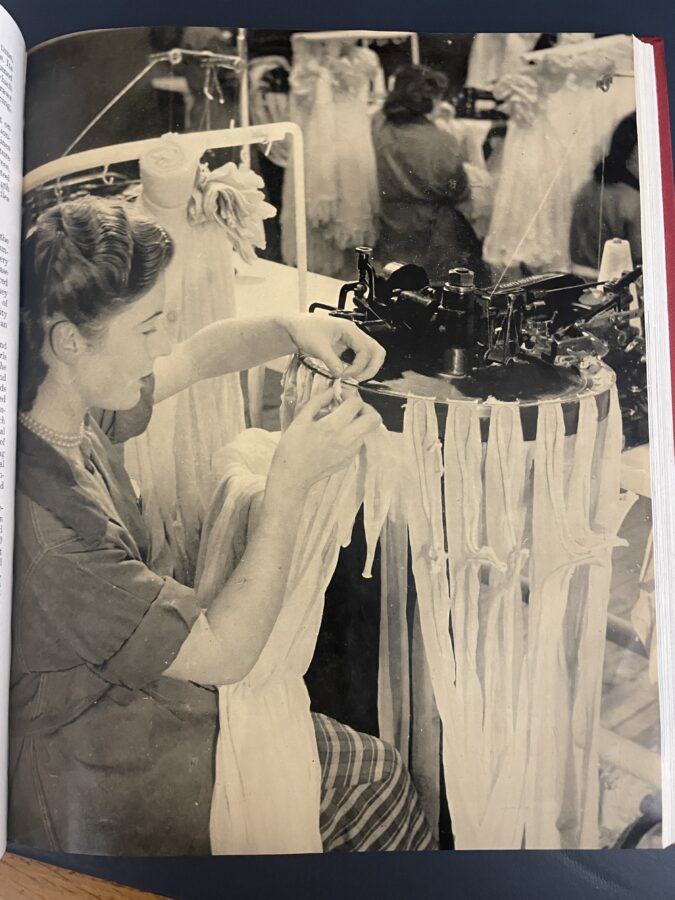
x: 153, y: 316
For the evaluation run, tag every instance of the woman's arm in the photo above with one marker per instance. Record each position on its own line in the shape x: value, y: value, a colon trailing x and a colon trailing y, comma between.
x: 242, y: 616
x: 232, y: 345
x: 449, y: 177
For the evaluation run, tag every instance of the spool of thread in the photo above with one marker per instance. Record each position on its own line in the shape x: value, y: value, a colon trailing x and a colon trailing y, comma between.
x: 617, y: 259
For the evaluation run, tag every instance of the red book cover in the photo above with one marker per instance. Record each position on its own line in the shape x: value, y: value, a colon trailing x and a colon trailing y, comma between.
x: 668, y: 184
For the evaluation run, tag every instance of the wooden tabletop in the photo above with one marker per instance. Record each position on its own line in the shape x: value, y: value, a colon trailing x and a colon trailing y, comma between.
x: 27, y: 879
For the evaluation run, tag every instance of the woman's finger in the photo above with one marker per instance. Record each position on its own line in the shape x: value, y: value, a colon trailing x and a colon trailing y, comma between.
x: 328, y: 356
x: 359, y: 433
x: 362, y: 425
x: 346, y: 411
x: 367, y: 365
x: 369, y: 355
x: 317, y: 402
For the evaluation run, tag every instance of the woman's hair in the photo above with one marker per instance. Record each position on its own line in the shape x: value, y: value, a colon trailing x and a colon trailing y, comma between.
x: 612, y: 169
x: 84, y: 260
x: 413, y: 94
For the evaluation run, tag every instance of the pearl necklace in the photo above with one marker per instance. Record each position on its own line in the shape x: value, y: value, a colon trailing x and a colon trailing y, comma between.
x: 56, y: 438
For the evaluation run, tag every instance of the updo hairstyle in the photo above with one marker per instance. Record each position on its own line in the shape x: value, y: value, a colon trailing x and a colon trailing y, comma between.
x: 414, y: 92
x: 84, y: 259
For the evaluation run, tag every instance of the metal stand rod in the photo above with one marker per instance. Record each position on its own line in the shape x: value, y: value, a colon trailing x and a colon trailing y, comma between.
x: 244, y: 115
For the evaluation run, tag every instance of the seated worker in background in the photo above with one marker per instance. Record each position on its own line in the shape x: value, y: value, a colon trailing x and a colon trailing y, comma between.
x: 610, y: 201
x: 421, y: 179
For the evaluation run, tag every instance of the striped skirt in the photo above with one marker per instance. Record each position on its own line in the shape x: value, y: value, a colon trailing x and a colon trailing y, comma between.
x: 368, y: 801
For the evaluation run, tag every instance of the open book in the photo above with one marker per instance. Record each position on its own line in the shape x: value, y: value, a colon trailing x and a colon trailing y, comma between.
x: 263, y: 588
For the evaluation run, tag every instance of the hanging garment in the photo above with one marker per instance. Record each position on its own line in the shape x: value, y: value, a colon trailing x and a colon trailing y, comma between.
x: 485, y: 559
x: 577, y: 511
x: 494, y: 55
x: 330, y: 88
x: 266, y: 755
x: 510, y: 543
x: 172, y: 460
x: 560, y: 126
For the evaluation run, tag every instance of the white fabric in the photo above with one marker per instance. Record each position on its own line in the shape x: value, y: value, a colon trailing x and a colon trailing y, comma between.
x: 510, y: 544
x: 232, y: 197
x: 394, y: 662
x: 266, y: 757
x: 330, y: 88
x: 171, y: 460
x: 552, y: 145
x: 517, y: 688
x: 492, y: 55
x: 577, y: 511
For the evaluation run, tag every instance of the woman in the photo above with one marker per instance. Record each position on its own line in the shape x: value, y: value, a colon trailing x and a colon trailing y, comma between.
x: 610, y: 201
x: 421, y: 180
x: 112, y: 740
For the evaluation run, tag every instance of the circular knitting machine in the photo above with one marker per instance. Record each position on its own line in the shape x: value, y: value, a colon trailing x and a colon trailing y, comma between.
x: 477, y: 645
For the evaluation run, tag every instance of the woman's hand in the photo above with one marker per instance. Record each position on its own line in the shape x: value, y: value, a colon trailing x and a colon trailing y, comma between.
x: 318, y: 443
x: 243, y: 613
x: 327, y: 337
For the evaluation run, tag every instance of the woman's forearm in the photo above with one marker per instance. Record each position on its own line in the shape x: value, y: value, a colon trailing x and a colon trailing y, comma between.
x: 243, y: 614
x: 233, y: 345
x: 229, y: 345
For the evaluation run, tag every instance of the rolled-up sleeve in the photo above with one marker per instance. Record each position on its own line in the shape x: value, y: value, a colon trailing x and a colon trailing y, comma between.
x: 108, y: 611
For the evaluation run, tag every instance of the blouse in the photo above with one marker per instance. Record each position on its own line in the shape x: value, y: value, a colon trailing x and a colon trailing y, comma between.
x: 422, y: 185
x: 107, y: 755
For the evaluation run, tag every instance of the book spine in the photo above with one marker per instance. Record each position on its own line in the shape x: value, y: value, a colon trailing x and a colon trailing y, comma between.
x: 12, y: 82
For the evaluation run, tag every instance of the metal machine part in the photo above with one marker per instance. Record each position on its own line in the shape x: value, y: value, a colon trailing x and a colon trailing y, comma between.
x: 508, y: 341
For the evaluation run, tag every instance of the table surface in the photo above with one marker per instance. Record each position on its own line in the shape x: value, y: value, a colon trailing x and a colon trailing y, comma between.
x: 267, y: 288
x: 28, y: 879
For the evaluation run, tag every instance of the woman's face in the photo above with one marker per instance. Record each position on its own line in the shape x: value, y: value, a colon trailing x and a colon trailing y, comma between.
x: 112, y: 367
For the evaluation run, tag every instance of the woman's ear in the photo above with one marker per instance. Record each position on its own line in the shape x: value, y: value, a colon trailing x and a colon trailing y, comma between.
x: 65, y: 341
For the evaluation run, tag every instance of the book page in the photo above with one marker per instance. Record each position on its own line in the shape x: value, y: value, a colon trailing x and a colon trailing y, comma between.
x: 502, y: 641
x: 659, y: 326
x: 12, y: 76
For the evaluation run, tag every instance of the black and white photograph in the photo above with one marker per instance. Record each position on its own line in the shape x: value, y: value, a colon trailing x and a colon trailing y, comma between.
x: 333, y: 522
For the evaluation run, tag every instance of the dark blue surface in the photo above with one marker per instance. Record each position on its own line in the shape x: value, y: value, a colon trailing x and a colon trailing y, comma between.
x: 44, y: 19
x: 484, y: 876
x: 525, y: 875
